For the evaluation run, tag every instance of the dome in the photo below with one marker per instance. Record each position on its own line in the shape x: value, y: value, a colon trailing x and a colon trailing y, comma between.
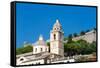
x: 40, y: 41
x: 41, y: 37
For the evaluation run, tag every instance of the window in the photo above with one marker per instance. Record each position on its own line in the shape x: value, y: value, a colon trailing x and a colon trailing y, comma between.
x: 21, y: 59
x: 54, y: 36
x: 41, y: 49
x: 45, y: 49
x: 55, y: 28
x: 38, y: 62
x: 35, y: 49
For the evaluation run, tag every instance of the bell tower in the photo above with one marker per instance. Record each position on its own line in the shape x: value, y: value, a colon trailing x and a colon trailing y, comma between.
x: 56, y: 39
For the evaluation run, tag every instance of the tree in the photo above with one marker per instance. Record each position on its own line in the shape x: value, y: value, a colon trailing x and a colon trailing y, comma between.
x: 65, y: 39
x: 82, y: 33
x: 82, y: 59
x: 23, y: 50
x: 87, y: 48
x: 75, y: 35
x: 71, y: 48
x: 81, y: 41
x: 87, y: 30
x: 79, y: 47
x: 70, y: 38
x: 94, y: 29
x: 93, y: 46
x: 48, y: 43
x: 84, y: 49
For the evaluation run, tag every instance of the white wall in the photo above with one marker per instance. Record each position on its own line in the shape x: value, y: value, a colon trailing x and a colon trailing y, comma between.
x: 5, y: 34
x: 41, y: 61
x: 38, y: 47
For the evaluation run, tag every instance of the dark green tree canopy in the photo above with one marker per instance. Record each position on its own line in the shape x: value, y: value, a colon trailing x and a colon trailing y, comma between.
x: 25, y: 49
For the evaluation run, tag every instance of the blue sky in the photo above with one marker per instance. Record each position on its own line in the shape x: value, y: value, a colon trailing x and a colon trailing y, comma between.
x: 35, y: 19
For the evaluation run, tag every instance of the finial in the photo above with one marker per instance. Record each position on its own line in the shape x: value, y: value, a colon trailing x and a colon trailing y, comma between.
x: 57, y: 21
x: 40, y: 37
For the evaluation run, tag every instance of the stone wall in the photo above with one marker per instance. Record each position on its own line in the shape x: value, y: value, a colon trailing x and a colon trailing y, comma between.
x: 89, y: 37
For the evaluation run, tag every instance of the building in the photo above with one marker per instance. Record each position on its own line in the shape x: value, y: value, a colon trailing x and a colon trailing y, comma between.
x: 89, y: 36
x: 56, y: 39
x: 44, y: 54
x: 41, y: 54
x: 40, y: 46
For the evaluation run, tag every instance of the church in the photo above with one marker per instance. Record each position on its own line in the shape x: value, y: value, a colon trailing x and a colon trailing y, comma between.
x: 41, y: 53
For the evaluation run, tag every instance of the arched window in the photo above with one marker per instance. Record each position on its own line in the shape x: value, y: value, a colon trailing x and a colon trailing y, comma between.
x: 55, y: 28
x: 21, y: 59
x: 54, y: 36
x: 35, y: 49
x: 41, y: 49
x: 45, y: 49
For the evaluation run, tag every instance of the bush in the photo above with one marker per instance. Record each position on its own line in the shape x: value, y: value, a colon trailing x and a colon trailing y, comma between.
x: 79, y: 47
x: 24, y: 50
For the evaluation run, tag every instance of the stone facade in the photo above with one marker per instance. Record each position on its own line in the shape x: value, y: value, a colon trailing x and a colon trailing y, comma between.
x: 56, y: 39
x: 41, y: 54
x: 89, y: 36
x: 40, y: 46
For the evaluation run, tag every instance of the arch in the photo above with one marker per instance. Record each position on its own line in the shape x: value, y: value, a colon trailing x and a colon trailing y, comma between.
x: 41, y: 49
x: 45, y: 49
x: 54, y: 36
x: 21, y: 59
x: 35, y: 49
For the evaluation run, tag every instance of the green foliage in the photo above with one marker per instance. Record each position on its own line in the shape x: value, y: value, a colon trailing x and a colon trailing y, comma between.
x: 94, y: 53
x: 71, y: 48
x: 87, y: 30
x: 65, y: 39
x: 82, y: 59
x: 23, y: 50
x: 82, y: 33
x: 69, y: 38
x: 95, y: 29
x: 93, y: 46
x: 48, y: 43
x: 75, y: 35
x: 79, y: 47
x: 81, y: 41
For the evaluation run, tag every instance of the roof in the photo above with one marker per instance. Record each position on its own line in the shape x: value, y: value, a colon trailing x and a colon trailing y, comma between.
x: 40, y: 41
x: 32, y: 58
x: 57, y: 24
x: 57, y: 27
x: 25, y: 54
